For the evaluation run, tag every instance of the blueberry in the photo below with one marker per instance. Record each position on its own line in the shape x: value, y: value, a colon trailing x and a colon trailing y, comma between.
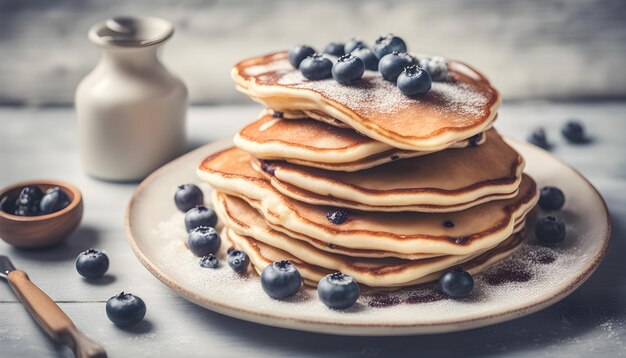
x: 348, y: 69
x: 125, y: 309
x: 92, y: 263
x: 54, y: 200
x: 188, y: 196
x: 203, y: 240
x: 338, y: 291
x: 550, y: 230
x: 281, y: 279
x: 574, y: 132
x: 475, y: 139
x: 538, y: 138
x: 316, y: 67
x: 335, y: 49
x: 200, y: 216
x: 448, y: 224
x: 387, y: 44
x: 7, y: 204
x: 367, y: 56
x: 209, y: 261
x: 267, y: 168
x: 353, y: 44
x: 238, y: 261
x: 29, y: 194
x: 337, y: 216
x: 298, y: 53
x: 456, y: 283
x: 25, y: 210
x: 391, y: 65
x: 414, y: 81
x: 551, y: 198
x: 27, y: 203
x: 436, y: 67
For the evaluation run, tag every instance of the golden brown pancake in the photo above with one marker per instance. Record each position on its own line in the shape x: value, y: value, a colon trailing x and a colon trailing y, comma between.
x: 316, y: 144
x: 403, y: 232
x: 237, y: 214
x: 448, y: 180
x: 240, y: 217
x: 261, y: 255
x: 458, y: 108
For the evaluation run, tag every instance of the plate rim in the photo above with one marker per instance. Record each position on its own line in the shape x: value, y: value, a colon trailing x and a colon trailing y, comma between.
x: 356, y: 328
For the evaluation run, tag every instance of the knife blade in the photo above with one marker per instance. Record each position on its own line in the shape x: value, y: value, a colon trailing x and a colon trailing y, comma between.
x: 48, y: 315
x: 6, y: 266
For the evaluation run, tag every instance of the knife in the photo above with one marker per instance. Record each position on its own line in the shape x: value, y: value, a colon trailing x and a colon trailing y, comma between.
x: 48, y: 315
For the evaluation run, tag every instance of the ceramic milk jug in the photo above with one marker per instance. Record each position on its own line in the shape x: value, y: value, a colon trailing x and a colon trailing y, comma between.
x: 131, y: 110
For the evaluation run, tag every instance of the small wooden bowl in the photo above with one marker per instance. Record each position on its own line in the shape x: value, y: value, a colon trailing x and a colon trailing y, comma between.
x: 33, y: 232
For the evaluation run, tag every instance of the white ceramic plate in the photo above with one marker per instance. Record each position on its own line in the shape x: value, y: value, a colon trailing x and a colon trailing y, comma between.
x: 532, y: 279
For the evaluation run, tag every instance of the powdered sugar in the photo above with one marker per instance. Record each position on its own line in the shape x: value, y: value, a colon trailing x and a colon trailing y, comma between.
x: 223, y: 284
x: 373, y: 94
x: 159, y: 235
x: 279, y: 65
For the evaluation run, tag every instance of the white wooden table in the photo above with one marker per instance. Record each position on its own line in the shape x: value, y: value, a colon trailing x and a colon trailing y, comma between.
x: 41, y: 143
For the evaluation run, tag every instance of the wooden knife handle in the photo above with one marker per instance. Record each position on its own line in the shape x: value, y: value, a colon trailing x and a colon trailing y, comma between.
x: 51, y: 318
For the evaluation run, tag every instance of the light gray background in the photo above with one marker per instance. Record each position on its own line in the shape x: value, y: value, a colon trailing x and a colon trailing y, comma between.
x: 560, y: 49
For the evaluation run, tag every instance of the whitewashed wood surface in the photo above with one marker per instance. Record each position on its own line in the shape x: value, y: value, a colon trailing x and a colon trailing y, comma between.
x: 41, y: 143
x: 529, y: 48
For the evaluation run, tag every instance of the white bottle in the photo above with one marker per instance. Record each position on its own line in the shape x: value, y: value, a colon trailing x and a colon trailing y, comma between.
x: 131, y: 110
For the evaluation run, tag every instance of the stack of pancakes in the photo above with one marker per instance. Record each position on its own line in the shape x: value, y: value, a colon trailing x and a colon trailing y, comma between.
x: 389, y: 189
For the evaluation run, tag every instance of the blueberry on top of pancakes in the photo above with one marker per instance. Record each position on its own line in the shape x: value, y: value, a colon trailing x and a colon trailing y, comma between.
x: 387, y: 44
x: 436, y: 66
x: 335, y: 48
x: 414, y: 81
x: 367, y: 56
x: 298, y: 53
x: 391, y: 65
x: 354, y: 44
x: 316, y: 67
x: 348, y: 69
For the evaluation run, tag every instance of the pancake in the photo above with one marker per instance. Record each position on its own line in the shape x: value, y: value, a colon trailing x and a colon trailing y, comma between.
x: 403, y: 232
x: 240, y: 217
x: 315, y: 144
x: 237, y: 214
x: 448, y: 180
x: 261, y: 255
x: 463, y: 105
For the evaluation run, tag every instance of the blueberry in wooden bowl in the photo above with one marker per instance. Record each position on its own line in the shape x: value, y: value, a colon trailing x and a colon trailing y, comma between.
x: 39, y: 213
